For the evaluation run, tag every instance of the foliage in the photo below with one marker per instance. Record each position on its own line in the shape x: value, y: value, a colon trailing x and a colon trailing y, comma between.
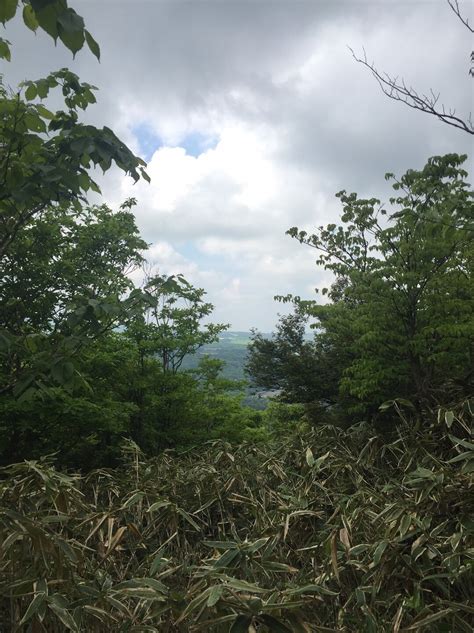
x: 54, y: 17
x: 301, y: 368
x: 46, y: 156
x: 172, y: 326
x: 45, y: 166
x: 400, y: 321
x: 64, y: 257
x: 327, y: 531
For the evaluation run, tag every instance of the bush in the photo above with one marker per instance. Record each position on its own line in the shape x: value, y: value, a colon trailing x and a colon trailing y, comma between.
x: 328, y: 528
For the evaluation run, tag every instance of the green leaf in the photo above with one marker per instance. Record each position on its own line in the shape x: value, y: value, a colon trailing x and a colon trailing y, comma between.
x: 65, y: 617
x: 7, y: 10
x: 47, y: 16
x: 44, y: 112
x: 224, y: 545
x: 31, y: 92
x: 215, y: 595
x: 274, y: 625
x: 92, y: 44
x: 311, y: 589
x: 379, y: 550
x: 5, y: 52
x: 33, y: 607
x: 71, y: 30
x: 241, y: 624
x: 226, y: 559
x: 70, y: 21
x: 243, y: 585
x: 449, y: 418
x: 416, y: 625
x: 309, y: 457
x: 256, y: 545
x: 42, y: 88
x: 159, y: 504
x: 29, y: 17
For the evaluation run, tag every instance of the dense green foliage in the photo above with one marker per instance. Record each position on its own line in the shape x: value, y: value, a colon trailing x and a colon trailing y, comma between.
x: 399, y: 323
x: 87, y: 358
x: 323, y: 530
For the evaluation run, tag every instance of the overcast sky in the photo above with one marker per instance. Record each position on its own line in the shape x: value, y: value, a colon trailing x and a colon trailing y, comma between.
x: 252, y: 114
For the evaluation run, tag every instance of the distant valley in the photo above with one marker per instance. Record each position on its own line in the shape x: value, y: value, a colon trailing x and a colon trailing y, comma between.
x: 231, y: 348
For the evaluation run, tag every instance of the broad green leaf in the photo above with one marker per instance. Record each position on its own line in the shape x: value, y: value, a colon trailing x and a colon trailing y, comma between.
x: 47, y: 16
x: 92, y: 44
x: 5, y: 52
x: 71, y: 30
x: 7, y: 10
x: 29, y: 17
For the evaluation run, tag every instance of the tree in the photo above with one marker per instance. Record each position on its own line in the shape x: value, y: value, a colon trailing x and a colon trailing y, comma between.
x: 67, y: 256
x: 302, y: 369
x: 399, y: 90
x: 67, y: 261
x: 46, y: 156
x: 169, y: 329
x: 173, y: 321
x: 406, y: 314
x: 46, y: 160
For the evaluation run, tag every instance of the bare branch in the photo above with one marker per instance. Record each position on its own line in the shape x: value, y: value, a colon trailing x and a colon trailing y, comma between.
x: 399, y: 91
x: 454, y: 4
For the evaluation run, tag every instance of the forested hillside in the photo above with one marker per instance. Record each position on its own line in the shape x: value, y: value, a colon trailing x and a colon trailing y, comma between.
x: 139, y: 491
x: 231, y: 348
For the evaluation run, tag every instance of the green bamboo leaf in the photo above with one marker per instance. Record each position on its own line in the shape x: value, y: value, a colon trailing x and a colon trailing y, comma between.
x: 243, y: 585
x: 379, y: 550
x: 274, y: 625
x: 215, y: 595
x: 65, y: 617
x: 226, y: 559
x: 33, y: 607
x: 434, y: 617
x: 241, y: 624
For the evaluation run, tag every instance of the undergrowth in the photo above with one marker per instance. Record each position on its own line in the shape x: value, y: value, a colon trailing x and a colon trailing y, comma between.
x: 330, y: 530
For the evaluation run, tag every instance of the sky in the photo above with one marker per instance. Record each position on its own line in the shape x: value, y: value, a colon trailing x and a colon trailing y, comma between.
x: 251, y: 115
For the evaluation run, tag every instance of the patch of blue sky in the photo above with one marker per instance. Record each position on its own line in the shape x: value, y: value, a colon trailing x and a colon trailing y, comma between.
x: 196, y: 143
x: 149, y: 142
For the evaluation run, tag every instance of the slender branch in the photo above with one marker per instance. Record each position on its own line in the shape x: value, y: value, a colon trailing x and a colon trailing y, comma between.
x: 454, y: 4
x: 399, y: 91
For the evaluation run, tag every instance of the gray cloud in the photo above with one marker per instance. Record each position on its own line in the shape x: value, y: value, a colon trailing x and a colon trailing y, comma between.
x: 296, y: 119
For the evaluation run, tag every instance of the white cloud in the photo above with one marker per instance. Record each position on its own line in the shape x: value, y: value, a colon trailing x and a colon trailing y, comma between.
x: 295, y: 119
